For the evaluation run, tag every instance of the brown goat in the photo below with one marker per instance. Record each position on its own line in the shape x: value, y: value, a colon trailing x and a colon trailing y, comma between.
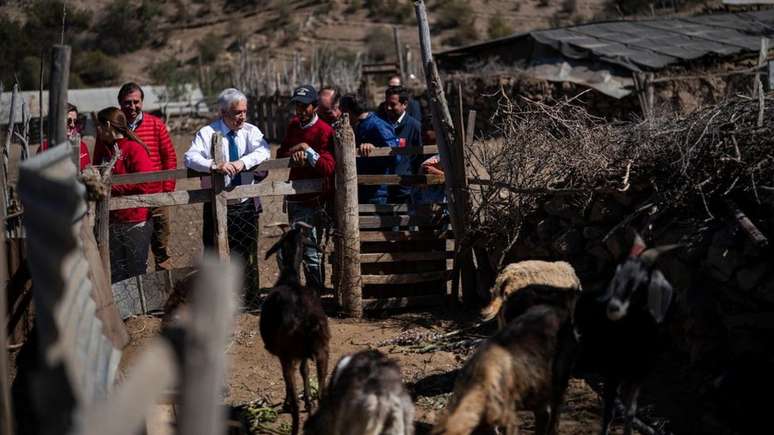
x: 525, y: 366
x: 518, y: 277
x: 293, y: 324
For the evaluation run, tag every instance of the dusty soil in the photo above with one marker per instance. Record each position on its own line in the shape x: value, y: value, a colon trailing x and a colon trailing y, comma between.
x: 255, y: 375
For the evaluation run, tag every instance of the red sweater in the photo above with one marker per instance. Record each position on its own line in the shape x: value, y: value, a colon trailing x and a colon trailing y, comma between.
x: 320, y: 137
x: 85, y: 159
x: 134, y: 158
x: 153, y: 132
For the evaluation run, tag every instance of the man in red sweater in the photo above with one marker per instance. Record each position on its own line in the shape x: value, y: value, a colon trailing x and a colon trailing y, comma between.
x: 153, y: 132
x: 309, y: 143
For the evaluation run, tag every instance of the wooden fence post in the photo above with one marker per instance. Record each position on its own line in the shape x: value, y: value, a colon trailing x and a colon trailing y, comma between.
x: 399, y: 52
x: 5, y: 387
x: 218, y: 203
x: 454, y: 169
x: 57, y: 99
x: 347, y: 220
x: 103, y: 233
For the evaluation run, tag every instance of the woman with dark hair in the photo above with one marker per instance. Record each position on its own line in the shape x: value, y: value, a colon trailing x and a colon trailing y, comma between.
x: 130, y: 230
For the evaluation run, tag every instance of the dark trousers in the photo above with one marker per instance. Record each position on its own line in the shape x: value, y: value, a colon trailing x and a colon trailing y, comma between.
x: 160, y: 236
x: 242, y: 236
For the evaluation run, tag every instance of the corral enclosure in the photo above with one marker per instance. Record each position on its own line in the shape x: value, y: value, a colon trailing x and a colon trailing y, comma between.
x: 548, y: 179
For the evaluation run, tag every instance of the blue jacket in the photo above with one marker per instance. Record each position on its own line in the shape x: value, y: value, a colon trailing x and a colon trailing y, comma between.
x: 376, y: 131
x: 409, y: 132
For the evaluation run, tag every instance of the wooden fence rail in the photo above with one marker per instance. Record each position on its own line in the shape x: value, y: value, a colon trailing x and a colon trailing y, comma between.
x: 218, y: 196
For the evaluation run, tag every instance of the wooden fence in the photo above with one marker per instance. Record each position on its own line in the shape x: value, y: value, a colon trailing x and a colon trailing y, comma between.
x: 217, y: 197
x: 272, y: 112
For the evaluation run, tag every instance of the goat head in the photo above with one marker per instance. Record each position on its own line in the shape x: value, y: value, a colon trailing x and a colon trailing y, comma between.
x: 638, y: 282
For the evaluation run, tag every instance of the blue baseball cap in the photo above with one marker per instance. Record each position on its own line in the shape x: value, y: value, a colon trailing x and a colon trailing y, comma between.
x: 304, y: 94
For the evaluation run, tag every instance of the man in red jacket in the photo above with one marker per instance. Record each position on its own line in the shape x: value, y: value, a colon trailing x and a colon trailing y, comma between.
x: 153, y: 132
x: 309, y: 143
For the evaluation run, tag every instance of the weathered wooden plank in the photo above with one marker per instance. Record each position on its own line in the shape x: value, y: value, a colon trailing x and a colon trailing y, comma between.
x: 399, y: 180
x: 348, y: 270
x: 401, y: 208
x: 394, y: 257
x: 371, y: 222
x: 387, y: 151
x: 405, y: 302
x: 404, y: 278
x: 388, y: 236
x: 275, y: 188
x: 163, y: 199
x: 183, y: 173
x: 218, y: 201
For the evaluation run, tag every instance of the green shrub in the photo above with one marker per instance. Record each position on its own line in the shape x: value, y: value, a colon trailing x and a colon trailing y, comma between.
x: 173, y: 74
x: 454, y: 13
x: 498, y: 28
x: 394, y: 11
x: 380, y: 44
x: 95, y: 68
x: 126, y: 27
x: 210, y: 47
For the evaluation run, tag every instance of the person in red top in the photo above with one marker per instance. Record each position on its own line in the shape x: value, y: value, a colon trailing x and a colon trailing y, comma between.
x: 153, y: 132
x: 309, y: 143
x: 130, y: 231
x: 73, y: 134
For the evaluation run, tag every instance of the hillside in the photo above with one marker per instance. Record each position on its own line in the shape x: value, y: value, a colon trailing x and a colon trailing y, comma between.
x: 220, y: 41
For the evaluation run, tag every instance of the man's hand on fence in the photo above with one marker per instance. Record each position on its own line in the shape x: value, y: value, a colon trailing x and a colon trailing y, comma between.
x: 366, y: 149
x: 298, y: 154
x: 230, y: 168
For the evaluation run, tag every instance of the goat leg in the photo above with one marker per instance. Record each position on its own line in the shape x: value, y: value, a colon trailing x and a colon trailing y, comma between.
x: 305, y: 376
x: 609, y: 392
x: 629, y: 392
x: 321, y: 359
x: 290, y: 391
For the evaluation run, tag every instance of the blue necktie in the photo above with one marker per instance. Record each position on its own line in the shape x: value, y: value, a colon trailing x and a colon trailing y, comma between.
x: 233, y: 154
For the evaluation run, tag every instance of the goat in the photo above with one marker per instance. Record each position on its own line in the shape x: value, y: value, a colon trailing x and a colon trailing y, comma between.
x: 621, y: 330
x: 293, y: 324
x: 366, y: 396
x: 525, y: 366
x: 524, y: 276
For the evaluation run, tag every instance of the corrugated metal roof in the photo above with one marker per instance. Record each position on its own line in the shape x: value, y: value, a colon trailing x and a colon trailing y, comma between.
x: 648, y: 44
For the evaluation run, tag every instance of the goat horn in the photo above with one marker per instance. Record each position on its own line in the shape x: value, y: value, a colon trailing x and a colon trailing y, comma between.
x: 303, y: 224
x: 649, y: 256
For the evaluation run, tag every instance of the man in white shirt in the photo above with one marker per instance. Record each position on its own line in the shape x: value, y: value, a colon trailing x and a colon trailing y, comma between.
x: 243, y: 148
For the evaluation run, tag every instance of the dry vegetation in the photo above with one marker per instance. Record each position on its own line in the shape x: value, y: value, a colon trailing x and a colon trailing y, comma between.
x: 689, y: 162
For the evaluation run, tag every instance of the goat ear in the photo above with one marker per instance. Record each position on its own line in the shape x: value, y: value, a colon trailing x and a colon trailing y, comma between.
x: 638, y: 246
x: 651, y: 255
x: 659, y: 296
x: 608, y: 292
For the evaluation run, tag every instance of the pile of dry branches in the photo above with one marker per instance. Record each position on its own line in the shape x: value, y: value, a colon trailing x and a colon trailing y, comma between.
x: 560, y: 149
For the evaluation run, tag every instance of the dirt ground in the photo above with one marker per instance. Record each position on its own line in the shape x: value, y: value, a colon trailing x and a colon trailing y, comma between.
x: 255, y: 375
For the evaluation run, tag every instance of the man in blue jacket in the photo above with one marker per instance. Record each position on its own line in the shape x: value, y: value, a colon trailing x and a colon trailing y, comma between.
x: 371, y: 132
x: 409, y: 132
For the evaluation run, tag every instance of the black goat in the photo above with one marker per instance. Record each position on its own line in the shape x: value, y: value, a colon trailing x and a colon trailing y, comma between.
x: 621, y: 331
x: 293, y: 324
x: 366, y: 396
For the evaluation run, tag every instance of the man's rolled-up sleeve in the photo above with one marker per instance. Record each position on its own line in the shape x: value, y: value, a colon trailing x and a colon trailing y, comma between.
x: 198, y: 156
x: 257, y: 150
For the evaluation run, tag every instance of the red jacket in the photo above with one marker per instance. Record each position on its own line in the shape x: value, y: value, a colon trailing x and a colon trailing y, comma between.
x: 153, y: 132
x: 320, y: 137
x: 134, y: 158
x: 85, y: 158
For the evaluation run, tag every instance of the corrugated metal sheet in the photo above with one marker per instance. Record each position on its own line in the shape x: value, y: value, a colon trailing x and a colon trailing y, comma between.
x: 578, y: 53
x: 69, y: 331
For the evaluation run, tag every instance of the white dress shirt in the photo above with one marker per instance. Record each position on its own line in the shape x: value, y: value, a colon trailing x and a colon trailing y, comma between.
x: 253, y: 149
